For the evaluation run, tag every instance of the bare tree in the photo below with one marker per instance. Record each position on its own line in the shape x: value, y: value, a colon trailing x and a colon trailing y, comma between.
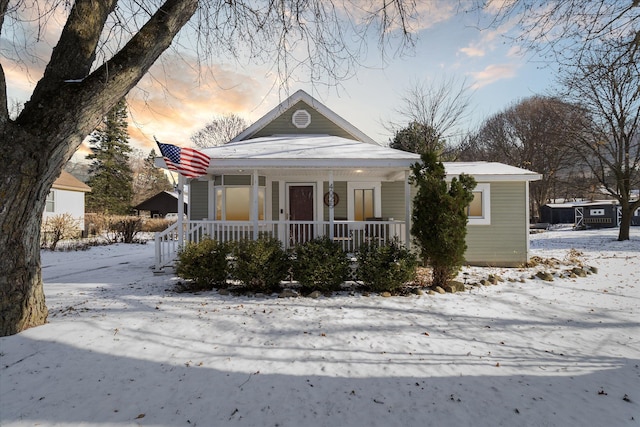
x: 219, y: 131
x: 147, y: 179
x: 567, y: 29
x: 437, y: 110
x: 103, y: 50
x: 607, y: 85
x: 532, y: 134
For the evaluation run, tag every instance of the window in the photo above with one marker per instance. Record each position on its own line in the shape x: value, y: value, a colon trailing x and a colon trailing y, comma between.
x: 364, y: 200
x: 50, y: 205
x: 237, y: 203
x: 363, y: 204
x: 596, y: 212
x: 479, y: 210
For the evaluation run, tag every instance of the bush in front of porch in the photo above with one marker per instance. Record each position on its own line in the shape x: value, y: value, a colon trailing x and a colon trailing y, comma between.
x: 260, y: 265
x: 385, y: 267
x: 205, y: 264
x: 320, y: 265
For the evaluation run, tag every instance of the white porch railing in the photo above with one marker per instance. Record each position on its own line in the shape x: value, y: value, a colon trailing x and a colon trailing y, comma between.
x: 350, y: 234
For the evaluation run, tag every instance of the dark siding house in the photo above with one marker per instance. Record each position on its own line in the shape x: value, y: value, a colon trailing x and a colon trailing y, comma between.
x: 160, y: 205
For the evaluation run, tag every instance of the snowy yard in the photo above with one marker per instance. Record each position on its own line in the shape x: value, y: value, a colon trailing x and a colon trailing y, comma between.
x: 121, y: 349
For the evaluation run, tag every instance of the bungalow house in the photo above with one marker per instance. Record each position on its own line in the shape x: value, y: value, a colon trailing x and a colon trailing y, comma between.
x: 66, y: 197
x: 302, y: 171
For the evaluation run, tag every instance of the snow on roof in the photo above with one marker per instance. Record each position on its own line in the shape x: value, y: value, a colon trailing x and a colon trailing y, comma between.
x: 307, y: 151
x: 326, y: 151
x: 490, y: 171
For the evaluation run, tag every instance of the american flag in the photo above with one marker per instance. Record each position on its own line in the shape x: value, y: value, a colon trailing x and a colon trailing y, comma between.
x: 186, y: 161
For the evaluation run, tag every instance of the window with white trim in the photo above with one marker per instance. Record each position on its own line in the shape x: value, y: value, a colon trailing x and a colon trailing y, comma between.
x: 479, y: 210
x: 364, y: 200
x: 234, y: 203
x: 50, y: 202
x: 363, y: 206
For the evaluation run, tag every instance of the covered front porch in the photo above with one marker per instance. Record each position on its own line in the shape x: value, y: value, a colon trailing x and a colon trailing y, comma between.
x: 349, y: 234
x: 349, y: 206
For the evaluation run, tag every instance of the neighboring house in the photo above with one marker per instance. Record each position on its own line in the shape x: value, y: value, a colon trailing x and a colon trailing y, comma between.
x: 594, y: 214
x: 558, y: 213
x: 159, y: 205
x: 67, y: 197
x: 278, y: 177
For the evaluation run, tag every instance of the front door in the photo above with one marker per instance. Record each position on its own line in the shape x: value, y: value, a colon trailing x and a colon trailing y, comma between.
x: 300, y: 209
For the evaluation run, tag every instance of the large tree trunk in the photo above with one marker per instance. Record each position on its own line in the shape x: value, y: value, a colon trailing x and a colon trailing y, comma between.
x: 24, y: 190
x: 66, y: 105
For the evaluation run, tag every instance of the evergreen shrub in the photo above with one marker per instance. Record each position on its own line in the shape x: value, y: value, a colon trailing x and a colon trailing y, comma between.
x: 205, y: 264
x: 385, y: 267
x: 320, y: 265
x: 260, y: 265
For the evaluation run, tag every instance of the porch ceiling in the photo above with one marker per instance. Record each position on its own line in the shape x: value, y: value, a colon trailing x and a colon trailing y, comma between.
x: 351, y: 174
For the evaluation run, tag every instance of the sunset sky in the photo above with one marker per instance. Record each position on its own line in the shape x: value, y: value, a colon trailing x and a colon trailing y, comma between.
x: 178, y: 98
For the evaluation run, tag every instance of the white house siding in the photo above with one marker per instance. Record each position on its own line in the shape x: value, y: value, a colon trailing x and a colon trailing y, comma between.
x: 67, y: 202
x: 504, y: 241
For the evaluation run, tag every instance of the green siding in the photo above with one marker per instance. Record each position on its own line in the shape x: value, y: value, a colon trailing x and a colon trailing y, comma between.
x: 198, y: 199
x: 393, y: 200
x: 504, y: 242
x: 319, y: 124
x: 237, y: 180
x: 275, y: 201
x: 339, y: 210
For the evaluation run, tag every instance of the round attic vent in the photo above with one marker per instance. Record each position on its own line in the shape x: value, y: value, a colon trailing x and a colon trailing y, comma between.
x: 301, y: 119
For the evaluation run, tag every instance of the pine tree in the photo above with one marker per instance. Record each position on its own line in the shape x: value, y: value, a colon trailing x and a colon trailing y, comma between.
x: 148, y: 180
x: 417, y: 138
x: 111, y: 175
x: 439, y: 218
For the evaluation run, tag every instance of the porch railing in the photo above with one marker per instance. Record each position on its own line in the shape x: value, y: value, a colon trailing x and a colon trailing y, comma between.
x: 350, y: 234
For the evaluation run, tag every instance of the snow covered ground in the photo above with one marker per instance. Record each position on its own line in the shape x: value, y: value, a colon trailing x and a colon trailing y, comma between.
x: 121, y: 349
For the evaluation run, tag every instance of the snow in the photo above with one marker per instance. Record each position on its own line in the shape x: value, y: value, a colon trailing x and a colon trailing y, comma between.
x: 122, y: 349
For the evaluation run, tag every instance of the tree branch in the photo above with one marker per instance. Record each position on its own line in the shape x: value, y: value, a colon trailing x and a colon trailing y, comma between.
x: 75, y: 52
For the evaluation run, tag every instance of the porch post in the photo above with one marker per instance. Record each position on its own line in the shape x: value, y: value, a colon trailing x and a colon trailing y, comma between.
x: 407, y: 209
x: 331, y: 209
x: 180, y: 209
x: 254, y: 203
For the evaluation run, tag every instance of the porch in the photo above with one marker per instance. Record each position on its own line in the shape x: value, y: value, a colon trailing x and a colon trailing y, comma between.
x: 350, y: 234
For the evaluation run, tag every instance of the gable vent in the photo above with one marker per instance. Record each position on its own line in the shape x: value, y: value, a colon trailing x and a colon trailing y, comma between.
x: 301, y: 119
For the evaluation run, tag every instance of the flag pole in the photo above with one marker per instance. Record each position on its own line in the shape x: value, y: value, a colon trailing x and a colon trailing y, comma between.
x: 180, y: 210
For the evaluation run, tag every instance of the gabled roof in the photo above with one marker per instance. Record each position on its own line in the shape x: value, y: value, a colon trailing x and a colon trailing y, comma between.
x: 66, y: 181
x: 162, y: 197
x: 311, y: 102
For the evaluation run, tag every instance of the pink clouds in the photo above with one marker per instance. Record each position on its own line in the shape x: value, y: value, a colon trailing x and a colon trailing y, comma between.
x: 493, y: 73
x: 176, y: 99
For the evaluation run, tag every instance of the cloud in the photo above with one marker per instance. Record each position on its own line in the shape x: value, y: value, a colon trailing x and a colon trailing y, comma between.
x: 473, y: 51
x: 178, y: 98
x: 492, y: 74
